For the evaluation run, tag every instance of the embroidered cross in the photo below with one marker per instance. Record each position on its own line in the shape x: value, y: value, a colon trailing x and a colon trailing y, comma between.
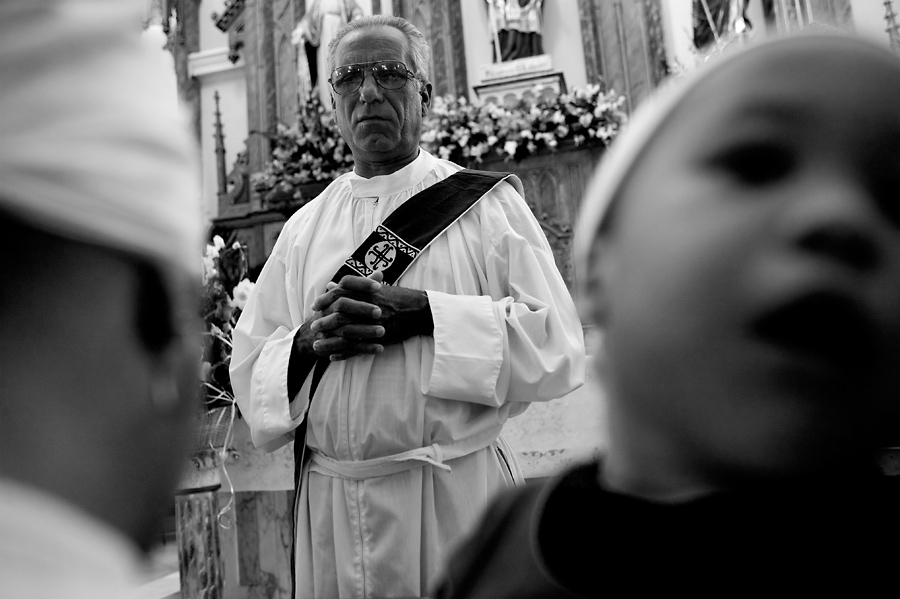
x: 381, y: 255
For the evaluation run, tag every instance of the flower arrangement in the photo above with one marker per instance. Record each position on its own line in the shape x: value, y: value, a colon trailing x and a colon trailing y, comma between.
x: 310, y: 150
x: 464, y: 133
x: 225, y: 292
x: 313, y: 150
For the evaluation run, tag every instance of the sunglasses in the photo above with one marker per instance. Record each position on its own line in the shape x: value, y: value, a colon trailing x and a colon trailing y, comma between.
x: 388, y: 74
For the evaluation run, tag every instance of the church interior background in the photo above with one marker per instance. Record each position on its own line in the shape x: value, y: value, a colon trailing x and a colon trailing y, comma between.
x: 246, y: 70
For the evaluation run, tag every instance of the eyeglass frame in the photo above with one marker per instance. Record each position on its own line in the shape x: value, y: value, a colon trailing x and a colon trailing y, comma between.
x: 371, y: 67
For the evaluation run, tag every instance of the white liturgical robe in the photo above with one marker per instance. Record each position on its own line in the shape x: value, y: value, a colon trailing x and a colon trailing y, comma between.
x: 506, y: 333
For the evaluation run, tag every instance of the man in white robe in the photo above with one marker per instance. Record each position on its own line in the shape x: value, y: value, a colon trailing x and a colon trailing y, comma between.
x: 404, y: 426
x: 100, y: 232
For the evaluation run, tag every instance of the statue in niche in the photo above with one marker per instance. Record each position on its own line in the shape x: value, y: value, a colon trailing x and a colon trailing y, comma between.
x: 516, y: 28
x: 322, y: 19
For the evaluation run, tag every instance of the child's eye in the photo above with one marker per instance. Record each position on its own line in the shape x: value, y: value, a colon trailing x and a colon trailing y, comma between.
x: 886, y: 191
x: 755, y: 164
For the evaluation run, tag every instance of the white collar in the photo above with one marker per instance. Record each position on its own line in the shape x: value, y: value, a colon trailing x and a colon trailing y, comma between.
x: 401, y: 180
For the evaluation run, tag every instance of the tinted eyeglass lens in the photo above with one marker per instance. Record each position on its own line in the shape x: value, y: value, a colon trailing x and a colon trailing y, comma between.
x: 389, y: 74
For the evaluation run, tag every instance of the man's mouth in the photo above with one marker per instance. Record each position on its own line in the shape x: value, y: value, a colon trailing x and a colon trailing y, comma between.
x: 824, y: 326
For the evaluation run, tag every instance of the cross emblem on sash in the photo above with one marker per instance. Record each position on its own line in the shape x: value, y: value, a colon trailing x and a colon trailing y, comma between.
x: 381, y: 255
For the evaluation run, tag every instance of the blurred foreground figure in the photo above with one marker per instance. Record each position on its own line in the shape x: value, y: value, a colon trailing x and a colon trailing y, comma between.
x: 740, y: 248
x: 100, y: 234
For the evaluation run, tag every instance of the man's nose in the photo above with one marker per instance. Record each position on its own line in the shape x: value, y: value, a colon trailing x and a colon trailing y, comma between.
x: 369, y: 90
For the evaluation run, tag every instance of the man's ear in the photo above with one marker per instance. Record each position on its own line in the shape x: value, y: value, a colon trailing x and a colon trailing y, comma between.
x: 425, y: 93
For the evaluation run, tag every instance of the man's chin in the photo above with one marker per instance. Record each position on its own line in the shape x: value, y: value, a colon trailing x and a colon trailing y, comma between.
x: 378, y: 141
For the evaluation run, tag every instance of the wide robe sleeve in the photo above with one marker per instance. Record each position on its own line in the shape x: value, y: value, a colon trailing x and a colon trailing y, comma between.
x: 522, y: 341
x: 262, y: 348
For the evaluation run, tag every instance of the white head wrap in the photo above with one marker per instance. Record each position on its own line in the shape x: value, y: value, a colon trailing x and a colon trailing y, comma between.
x: 92, y: 146
x: 626, y: 150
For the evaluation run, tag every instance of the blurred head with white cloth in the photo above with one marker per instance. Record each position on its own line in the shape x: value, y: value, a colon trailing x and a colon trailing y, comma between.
x: 101, y: 231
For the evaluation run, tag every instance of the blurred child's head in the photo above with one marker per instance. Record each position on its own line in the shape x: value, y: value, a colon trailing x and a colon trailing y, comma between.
x: 740, y: 250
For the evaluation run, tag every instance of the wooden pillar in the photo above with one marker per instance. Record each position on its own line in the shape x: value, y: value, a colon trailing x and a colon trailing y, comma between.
x: 197, y: 535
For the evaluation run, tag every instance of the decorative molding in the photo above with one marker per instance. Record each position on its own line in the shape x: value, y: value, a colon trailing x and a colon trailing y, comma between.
x: 509, y: 91
x: 234, y: 50
x: 232, y: 10
x: 209, y: 62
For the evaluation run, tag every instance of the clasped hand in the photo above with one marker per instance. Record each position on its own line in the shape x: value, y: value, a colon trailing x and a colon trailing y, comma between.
x: 360, y: 315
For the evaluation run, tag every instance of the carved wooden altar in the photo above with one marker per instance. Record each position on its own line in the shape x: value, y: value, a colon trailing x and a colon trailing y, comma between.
x: 554, y: 185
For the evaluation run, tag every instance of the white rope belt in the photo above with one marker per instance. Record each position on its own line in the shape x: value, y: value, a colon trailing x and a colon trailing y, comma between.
x: 392, y: 464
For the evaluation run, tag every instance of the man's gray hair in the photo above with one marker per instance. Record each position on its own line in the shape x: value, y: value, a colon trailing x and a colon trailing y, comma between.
x: 418, y: 45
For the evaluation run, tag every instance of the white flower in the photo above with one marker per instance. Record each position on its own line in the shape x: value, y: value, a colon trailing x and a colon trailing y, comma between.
x: 429, y: 136
x: 510, y: 147
x: 209, y: 267
x: 241, y: 293
x: 585, y: 119
x: 492, y: 140
x: 444, y: 151
x: 218, y: 243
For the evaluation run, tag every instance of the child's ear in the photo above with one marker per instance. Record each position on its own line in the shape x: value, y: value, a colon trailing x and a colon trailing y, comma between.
x: 595, y: 303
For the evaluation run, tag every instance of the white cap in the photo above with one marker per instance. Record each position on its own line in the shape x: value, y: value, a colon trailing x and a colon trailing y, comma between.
x: 626, y: 150
x: 92, y: 147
